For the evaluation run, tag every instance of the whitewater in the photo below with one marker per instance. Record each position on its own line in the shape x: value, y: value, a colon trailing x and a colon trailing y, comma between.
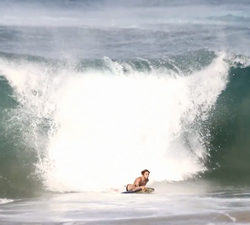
x: 91, y: 93
x: 105, y: 122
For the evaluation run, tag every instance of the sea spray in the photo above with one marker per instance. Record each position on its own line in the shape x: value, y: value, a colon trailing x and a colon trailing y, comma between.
x: 100, y: 128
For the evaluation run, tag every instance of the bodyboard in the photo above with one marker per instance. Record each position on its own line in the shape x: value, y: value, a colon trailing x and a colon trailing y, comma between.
x: 140, y: 191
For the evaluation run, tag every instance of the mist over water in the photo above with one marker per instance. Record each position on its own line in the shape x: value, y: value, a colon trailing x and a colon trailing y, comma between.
x: 123, y: 29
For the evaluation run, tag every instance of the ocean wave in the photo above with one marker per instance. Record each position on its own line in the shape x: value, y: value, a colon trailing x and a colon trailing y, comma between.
x: 75, y: 126
x: 231, y: 18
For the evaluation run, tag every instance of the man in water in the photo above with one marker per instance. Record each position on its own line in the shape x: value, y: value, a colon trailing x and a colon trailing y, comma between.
x: 140, y: 182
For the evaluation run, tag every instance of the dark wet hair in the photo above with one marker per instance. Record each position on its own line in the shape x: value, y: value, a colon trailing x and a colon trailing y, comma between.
x: 144, y: 171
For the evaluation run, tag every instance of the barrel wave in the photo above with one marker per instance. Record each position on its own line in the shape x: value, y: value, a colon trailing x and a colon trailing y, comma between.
x: 82, y: 126
x: 229, y: 129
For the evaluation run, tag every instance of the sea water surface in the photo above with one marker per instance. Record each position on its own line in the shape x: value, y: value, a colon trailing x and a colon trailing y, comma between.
x: 93, y: 92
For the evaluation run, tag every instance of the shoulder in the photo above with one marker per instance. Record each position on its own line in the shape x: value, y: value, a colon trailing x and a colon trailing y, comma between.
x: 138, y: 179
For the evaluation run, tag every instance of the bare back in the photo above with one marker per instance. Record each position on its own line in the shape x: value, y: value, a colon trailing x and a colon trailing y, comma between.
x: 139, y: 181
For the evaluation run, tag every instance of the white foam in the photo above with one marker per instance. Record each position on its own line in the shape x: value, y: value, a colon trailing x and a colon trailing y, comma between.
x: 109, y: 125
x: 5, y: 201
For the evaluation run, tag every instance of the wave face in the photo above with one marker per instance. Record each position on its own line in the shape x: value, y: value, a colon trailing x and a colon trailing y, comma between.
x: 229, y: 128
x: 92, y: 125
